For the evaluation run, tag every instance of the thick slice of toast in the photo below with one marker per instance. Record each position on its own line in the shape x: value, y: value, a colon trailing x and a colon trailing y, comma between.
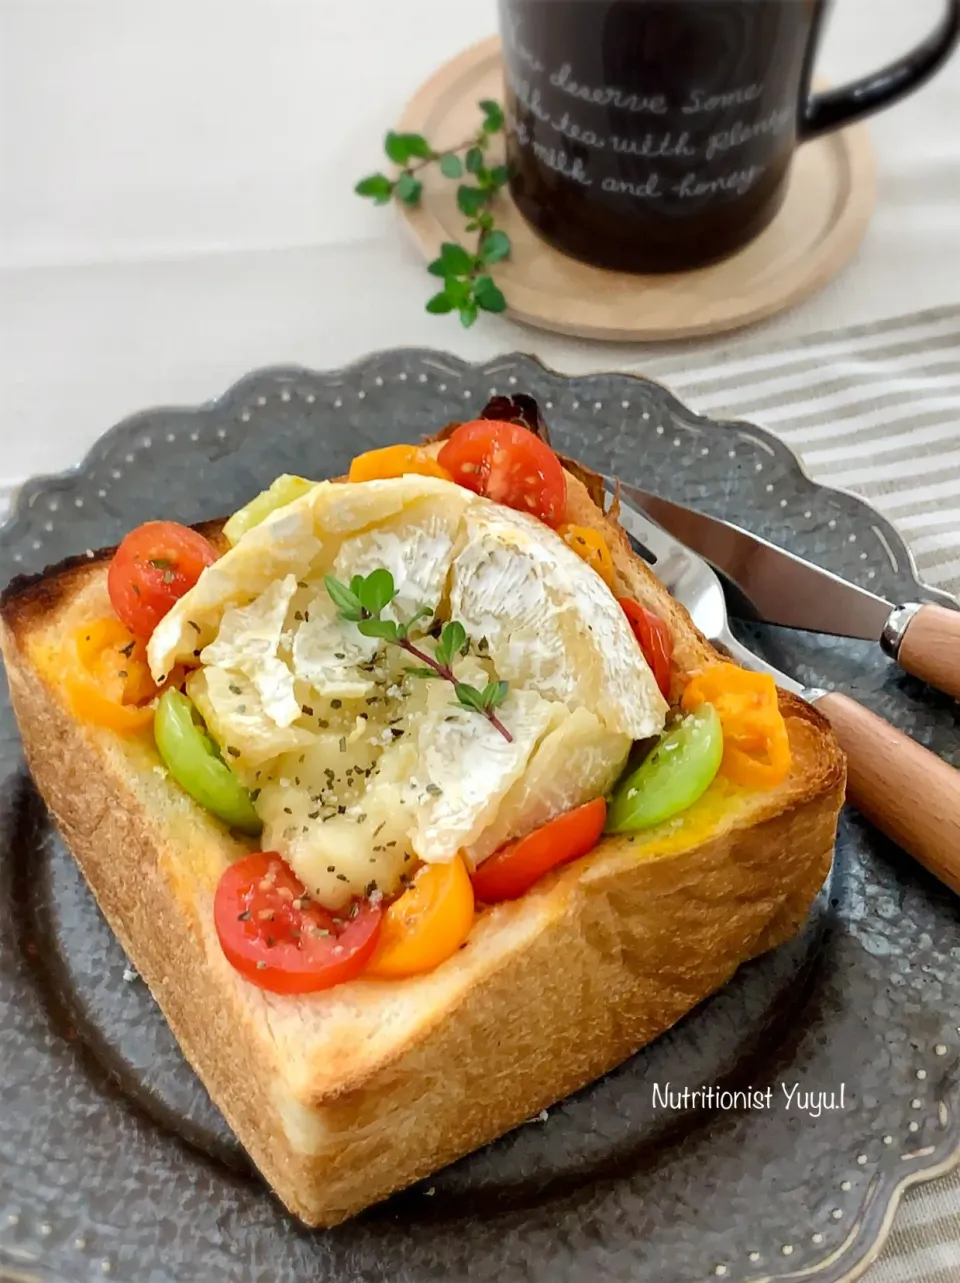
x: 344, y: 1096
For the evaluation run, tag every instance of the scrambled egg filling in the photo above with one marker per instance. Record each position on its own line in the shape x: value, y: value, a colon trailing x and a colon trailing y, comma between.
x: 361, y: 768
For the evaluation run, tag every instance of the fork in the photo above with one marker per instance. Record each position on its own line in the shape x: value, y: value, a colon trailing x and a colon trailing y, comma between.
x: 902, y: 788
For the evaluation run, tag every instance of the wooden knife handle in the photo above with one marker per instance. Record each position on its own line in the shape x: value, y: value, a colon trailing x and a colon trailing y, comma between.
x: 931, y: 648
x: 908, y: 792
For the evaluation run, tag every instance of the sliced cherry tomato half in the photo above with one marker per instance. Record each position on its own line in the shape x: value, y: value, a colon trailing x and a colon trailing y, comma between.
x: 396, y: 461
x: 152, y: 569
x: 508, y: 464
x: 762, y: 765
x: 278, y: 938
x: 426, y: 924
x: 106, y: 676
x: 511, y: 871
x: 655, y: 641
x: 194, y: 761
x: 591, y: 547
x: 756, y: 749
x: 672, y: 776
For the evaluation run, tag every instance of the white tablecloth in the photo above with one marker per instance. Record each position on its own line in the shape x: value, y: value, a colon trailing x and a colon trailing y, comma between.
x: 176, y: 208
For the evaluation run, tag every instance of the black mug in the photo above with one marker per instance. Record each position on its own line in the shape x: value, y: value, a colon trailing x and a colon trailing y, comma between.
x: 657, y: 135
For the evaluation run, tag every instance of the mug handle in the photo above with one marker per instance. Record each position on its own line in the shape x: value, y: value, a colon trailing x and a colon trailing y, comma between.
x: 838, y: 107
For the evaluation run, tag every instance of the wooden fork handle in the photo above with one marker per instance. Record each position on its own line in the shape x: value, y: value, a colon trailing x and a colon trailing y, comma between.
x: 930, y: 648
x: 908, y: 792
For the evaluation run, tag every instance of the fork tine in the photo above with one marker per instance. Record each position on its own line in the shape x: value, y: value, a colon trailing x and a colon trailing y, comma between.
x: 695, y: 584
x: 645, y: 532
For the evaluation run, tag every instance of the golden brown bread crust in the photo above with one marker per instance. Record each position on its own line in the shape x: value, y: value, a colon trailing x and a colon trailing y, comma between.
x: 344, y: 1097
x: 35, y: 599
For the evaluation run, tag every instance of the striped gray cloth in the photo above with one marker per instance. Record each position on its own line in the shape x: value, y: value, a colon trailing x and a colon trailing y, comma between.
x: 876, y: 410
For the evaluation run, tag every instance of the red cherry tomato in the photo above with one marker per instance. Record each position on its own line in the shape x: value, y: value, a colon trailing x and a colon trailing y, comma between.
x: 508, y: 464
x: 154, y: 566
x: 279, y: 939
x: 511, y: 871
x: 655, y: 641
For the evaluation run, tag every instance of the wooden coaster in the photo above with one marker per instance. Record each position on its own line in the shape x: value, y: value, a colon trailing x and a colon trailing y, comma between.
x: 831, y: 195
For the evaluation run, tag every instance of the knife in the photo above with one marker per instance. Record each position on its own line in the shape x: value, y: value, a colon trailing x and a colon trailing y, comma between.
x: 781, y: 588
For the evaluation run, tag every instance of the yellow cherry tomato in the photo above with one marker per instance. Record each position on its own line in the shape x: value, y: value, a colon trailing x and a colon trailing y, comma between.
x: 107, y: 678
x: 396, y: 461
x: 426, y: 924
x: 591, y: 547
x: 756, y: 746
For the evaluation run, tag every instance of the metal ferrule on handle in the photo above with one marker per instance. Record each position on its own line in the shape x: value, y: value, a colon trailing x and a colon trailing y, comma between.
x: 896, y: 626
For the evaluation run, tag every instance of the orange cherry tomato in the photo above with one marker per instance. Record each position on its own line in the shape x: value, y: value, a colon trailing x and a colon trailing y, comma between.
x: 152, y: 569
x: 396, y: 461
x: 756, y: 745
x: 508, y: 464
x: 591, y: 547
x: 426, y: 924
x: 279, y: 939
x: 511, y: 871
x: 107, y: 678
x: 655, y: 641
x: 763, y: 769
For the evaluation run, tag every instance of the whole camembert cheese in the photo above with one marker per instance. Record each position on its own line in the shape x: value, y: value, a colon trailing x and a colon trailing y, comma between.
x: 359, y: 767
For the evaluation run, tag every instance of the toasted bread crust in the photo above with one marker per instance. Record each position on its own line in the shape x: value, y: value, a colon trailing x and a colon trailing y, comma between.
x: 343, y: 1097
x: 34, y: 600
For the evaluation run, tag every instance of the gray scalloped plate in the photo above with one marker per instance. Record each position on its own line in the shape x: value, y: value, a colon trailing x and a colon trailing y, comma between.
x: 113, y: 1161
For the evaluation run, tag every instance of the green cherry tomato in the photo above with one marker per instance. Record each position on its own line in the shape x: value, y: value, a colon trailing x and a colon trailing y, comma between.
x: 672, y: 776
x: 284, y: 490
x: 195, y: 763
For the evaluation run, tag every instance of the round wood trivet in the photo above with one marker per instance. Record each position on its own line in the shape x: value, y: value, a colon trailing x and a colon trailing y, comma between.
x: 831, y: 196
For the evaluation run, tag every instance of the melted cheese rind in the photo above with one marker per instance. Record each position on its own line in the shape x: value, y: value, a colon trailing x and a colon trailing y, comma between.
x: 416, y: 546
x: 364, y: 769
x: 552, y: 624
x: 465, y: 767
x: 284, y: 544
x: 230, y: 705
x: 300, y: 539
x: 345, y: 510
x: 249, y: 642
x: 327, y: 652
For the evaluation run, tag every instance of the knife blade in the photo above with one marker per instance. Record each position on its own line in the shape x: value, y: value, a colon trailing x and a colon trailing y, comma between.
x: 781, y: 588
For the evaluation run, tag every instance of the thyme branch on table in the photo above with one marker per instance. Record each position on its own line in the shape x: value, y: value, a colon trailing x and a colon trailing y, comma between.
x: 468, y: 287
x: 363, y: 601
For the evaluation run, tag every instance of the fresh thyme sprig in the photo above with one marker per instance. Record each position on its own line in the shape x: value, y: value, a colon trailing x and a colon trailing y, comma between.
x: 363, y: 602
x: 468, y: 287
